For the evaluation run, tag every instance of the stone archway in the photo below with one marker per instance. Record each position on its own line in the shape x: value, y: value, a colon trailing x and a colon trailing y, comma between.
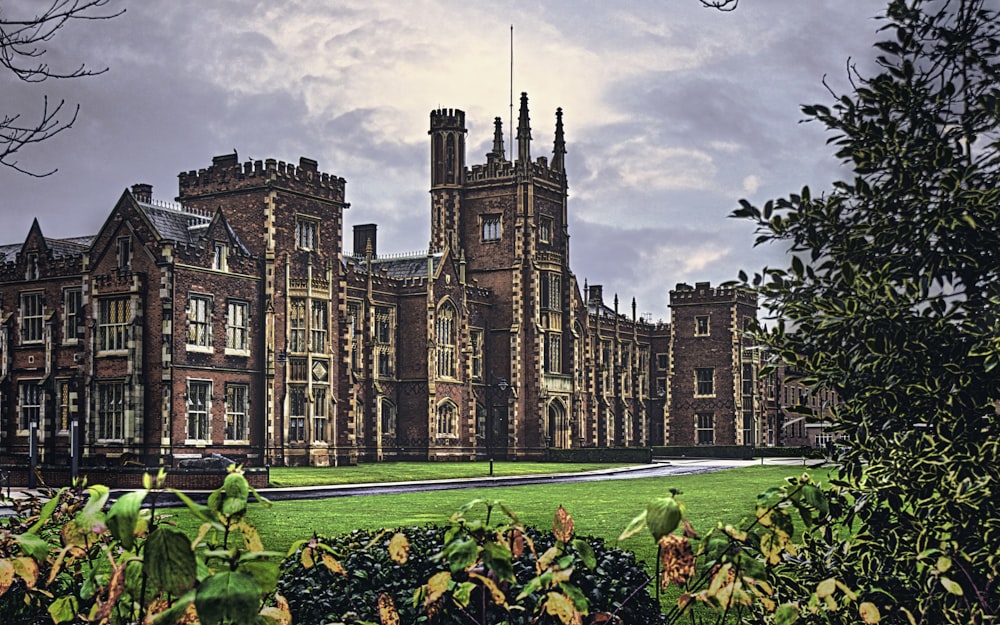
x: 557, y: 430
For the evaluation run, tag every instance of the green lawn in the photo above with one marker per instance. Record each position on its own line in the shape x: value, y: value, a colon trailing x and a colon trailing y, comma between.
x: 600, y: 509
x: 412, y: 471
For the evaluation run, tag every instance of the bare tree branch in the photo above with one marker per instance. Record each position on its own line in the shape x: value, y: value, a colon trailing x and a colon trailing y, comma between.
x: 23, y: 44
x: 721, y: 5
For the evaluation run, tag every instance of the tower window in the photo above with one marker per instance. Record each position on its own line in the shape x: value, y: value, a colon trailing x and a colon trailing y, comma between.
x: 306, y: 234
x: 491, y: 227
x: 544, y: 229
x: 445, y: 334
x: 704, y: 381
x: 701, y: 327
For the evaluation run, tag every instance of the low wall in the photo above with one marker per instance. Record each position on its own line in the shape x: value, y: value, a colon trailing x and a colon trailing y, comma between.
x: 131, y: 477
x: 638, y: 455
x: 737, y: 452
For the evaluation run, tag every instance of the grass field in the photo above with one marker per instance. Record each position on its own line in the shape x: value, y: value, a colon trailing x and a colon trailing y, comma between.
x: 412, y: 471
x: 599, y: 509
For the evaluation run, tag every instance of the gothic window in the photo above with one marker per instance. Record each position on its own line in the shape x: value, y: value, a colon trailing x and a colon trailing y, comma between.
x: 199, y: 322
x: 445, y: 332
x: 306, y: 233
x: 551, y: 291
x: 32, y: 315
x: 237, y: 328
x: 355, y: 333
x: 447, y: 419
x: 704, y: 381
x: 491, y: 227
x: 199, y: 403
x: 318, y: 327
x: 297, y: 325
x: 385, y: 321
x: 111, y: 411
x: 705, y: 428
x: 237, y: 408
x: 112, y: 324
x: 72, y: 321
x: 545, y: 229
x: 388, y: 417
x: 553, y: 352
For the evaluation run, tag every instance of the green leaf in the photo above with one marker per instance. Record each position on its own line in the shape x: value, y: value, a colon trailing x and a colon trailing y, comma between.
x: 579, y: 599
x: 237, y: 491
x: 33, y: 546
x: 169, y: 560
x: 497, y: 558
x: 586, y: 553
x: 171, y: 615
x: 635, y: 526
x: 265, y: 572
x: 786, y: 614
x: 122, y: 516
x: 47, y: 510
x: 63, y: 609
x: 951, y: 586
x: 230, y: 596
x: 461, y: 553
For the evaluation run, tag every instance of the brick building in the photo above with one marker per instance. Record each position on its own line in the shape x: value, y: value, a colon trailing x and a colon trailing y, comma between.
x: 234, y: 322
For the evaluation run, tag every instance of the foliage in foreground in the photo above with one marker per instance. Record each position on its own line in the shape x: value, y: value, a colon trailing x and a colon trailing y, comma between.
x: 891, y: 300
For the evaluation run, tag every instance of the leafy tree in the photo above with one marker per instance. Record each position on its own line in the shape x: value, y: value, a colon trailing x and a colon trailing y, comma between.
x: 891, y: 299
x: 23, y: 41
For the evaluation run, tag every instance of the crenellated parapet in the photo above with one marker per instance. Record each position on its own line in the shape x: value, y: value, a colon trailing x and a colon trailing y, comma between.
x: 704, y: 293
x: 227, y: 174
x: 448, y: 119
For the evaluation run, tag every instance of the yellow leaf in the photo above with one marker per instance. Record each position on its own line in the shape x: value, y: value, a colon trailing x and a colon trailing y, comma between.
x: 562, y: 525
x: 561, y: 607
x: 251, y: 537
x: 387, y: 610
x: 399, y: 548
x: 437, y: 585
x: 279, y: 614
x: 869, y: 613
x: 26, y: 569
x: 307, y: 558
x: 561, y: 576
x: 548, y: 557
x: 498, y: 597
x: 826, y: 587
x: 6, y: 575
x: 331, y: 563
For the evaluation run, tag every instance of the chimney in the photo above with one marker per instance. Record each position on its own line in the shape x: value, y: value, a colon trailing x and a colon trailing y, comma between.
x: 364, y: 234
x: 142, y: 193
x: 596, y: 295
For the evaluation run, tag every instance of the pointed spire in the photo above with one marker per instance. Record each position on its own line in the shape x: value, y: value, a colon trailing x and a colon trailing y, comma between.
x: 524, y: 133
x: 559, y: 150
x: 498, y: 151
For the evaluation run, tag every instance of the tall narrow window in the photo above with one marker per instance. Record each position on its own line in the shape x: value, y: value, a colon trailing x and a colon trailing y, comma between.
x: 72, y: 321
x: 297, y: 325
x: 199, y: 322
x: 388, y: 417
x: 544, y: 229
x: 237, y: 330
x: 355, y: 332
x: 114, y: 315
x: 237, y: 404
x: 446, y: 419
x: 705, y: 431
x: 551, y: 291
x: 704, y: 381
x: 384, y: 343
x: 199, y: 404
x: 30, y: 397
x: 748, y: 382
x: 701, y: 325
x: 297, y: 414
x: 319, y: 413
x: 124, y: 253
x: 445, y: 333
x: 111, y: 411
x: 318, y: 326
x: 31, y: 270
x: 491, y: 227
x: 476, y: 339
x: 32, y: 315
x: 553, y: 353
x: 220, y: 258
x: 306, y: 234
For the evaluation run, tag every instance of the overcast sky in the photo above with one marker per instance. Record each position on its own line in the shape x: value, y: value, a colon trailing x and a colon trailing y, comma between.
x: 672, y: 113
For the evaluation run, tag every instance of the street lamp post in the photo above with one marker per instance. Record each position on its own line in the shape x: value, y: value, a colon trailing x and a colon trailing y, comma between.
x: 32, y: 452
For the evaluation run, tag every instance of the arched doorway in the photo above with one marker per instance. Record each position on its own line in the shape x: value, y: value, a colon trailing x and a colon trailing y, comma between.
x: 558, y: 432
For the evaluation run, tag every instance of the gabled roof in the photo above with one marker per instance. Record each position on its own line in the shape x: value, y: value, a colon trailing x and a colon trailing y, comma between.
x: 60, y: 248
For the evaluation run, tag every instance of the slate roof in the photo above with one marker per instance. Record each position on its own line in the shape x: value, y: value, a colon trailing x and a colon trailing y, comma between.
x: 402, y: 267
x: 60, y: 248
x: 173, y: 223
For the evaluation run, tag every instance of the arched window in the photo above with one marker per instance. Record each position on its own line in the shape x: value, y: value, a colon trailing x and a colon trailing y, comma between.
x: 447, y: 419
x: 445, y: 336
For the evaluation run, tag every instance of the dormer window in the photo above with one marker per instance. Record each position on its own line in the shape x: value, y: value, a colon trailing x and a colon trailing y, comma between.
x: 220, y: 259
x: 306, y: 234
x: 31, y: 271
x: 124, y: 253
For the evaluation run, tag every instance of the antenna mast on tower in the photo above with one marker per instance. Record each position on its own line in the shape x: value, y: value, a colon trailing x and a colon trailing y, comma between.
x: 510, y: 122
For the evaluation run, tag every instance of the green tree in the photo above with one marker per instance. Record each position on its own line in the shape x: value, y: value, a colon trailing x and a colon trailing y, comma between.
x: 891, y: 298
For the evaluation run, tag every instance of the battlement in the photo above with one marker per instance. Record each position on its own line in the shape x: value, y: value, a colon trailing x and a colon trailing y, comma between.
x: 704, y: 293
x: 227, y: 174
x: 497, y: 170
x: 447, y: 119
